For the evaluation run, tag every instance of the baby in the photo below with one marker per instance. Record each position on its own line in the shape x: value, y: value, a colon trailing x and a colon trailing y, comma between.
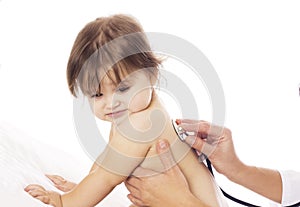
x: 112, y: 64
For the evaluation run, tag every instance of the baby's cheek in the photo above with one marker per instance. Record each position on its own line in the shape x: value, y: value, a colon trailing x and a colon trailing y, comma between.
x: 97, y: 110
x: 140, y: 101
x: 101, y: 117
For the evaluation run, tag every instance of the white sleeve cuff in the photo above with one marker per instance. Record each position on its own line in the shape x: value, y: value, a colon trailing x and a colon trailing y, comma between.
x: 290, y: 187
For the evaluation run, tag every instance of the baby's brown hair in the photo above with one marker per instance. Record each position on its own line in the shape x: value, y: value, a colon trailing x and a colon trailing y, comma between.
x: 92, y: 54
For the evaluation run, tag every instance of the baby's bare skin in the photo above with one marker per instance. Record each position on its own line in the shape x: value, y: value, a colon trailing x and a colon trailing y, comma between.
x: 100, y: 182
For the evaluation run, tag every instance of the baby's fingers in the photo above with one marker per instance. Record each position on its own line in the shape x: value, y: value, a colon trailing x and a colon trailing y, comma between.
x: 34, y: 187
x: 37, y: 193
x: 56, y: 179
x: 63, y: 188
x: 44, y: 199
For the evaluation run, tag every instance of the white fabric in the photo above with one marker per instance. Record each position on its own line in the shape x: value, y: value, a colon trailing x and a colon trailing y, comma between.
x: 24, y: 161
x: 291, y: 187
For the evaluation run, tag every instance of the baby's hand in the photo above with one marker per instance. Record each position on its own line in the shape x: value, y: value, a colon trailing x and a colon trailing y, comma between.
x: 48, y: 197
x: 60, y: 183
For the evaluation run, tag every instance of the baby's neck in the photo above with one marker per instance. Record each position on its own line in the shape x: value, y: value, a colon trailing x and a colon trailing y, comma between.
x: 151, y: 120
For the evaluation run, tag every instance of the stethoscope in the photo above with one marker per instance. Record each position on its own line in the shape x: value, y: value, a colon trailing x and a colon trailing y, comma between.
x: 182, y: 134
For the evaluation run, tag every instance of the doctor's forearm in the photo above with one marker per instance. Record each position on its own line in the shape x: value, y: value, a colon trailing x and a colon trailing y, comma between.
x: 265, y: 182
x: 195, y: 203
x: 186, y: 201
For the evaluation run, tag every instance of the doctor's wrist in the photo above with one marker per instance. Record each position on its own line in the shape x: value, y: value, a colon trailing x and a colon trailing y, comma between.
x: 237, y: 172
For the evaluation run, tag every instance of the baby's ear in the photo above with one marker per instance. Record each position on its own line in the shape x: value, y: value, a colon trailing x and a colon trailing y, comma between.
x: 154, y: 78
x: 153, y: 74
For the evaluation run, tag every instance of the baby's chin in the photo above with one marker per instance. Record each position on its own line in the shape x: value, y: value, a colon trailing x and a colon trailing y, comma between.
x: 139, y: 108
x: 130, y: 112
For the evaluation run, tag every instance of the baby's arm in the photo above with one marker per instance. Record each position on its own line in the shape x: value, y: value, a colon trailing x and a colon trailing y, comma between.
x: 117, y: 161
x: 91, y: 190
x: 65, y: 185
x: 114, y: 165
x: 96, y: 164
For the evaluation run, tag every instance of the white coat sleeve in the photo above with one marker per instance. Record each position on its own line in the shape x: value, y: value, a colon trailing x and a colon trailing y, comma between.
x: 290, y: 187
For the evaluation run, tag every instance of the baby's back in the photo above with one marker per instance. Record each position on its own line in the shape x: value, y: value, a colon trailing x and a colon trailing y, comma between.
x: 159, y: 126
x: 198, y: 177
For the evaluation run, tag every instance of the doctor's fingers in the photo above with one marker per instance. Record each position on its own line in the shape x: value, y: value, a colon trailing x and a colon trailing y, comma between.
x: 165, y: 155
x: 136, y: 201
x: 200, y: 145
x: 138, y: 192
x: 204, y: 129
x: 187, y: 121
x: 198, y: 127
x: 195, y: 142
x: 133, y: 182
x: 134, y: 191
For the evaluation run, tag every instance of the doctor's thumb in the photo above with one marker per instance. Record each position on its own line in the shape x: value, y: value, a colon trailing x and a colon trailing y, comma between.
x: 165, y: 154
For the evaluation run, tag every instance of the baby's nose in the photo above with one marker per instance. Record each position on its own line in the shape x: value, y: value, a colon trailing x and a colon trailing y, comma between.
x: 113, y: 101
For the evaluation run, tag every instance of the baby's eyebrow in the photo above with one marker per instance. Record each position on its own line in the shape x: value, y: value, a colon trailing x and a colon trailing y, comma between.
x: 125, y: 82
x: 129, y: 79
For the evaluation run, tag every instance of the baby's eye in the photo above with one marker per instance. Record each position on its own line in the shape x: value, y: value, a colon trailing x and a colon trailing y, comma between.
x: 97, y: 95
x: 123, y: 89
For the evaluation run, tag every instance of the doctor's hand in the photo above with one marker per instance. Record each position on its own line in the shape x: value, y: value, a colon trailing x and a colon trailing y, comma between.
x: 216, y: 143
x: 169, y: 188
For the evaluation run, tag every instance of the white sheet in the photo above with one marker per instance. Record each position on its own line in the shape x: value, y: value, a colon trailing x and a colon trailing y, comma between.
x: 24, y: 161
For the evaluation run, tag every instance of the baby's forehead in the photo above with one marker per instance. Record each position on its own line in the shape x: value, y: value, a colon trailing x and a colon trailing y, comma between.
x: 95, y: 79
x: 111, y: 76
x: 106, y: 80
x: 110, y: 79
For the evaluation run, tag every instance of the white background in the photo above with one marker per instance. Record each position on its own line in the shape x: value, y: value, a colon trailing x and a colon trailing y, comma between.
x: 253, y: 45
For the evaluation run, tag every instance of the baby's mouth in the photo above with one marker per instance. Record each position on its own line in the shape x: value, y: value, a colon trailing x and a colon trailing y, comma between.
x: 117, y: 114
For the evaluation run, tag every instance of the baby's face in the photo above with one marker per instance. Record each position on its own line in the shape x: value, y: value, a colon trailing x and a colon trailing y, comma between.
x: 132, y: 94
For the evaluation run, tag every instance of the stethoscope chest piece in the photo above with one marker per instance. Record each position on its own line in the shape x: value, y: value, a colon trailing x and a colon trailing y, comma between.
x: 181, y: 133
